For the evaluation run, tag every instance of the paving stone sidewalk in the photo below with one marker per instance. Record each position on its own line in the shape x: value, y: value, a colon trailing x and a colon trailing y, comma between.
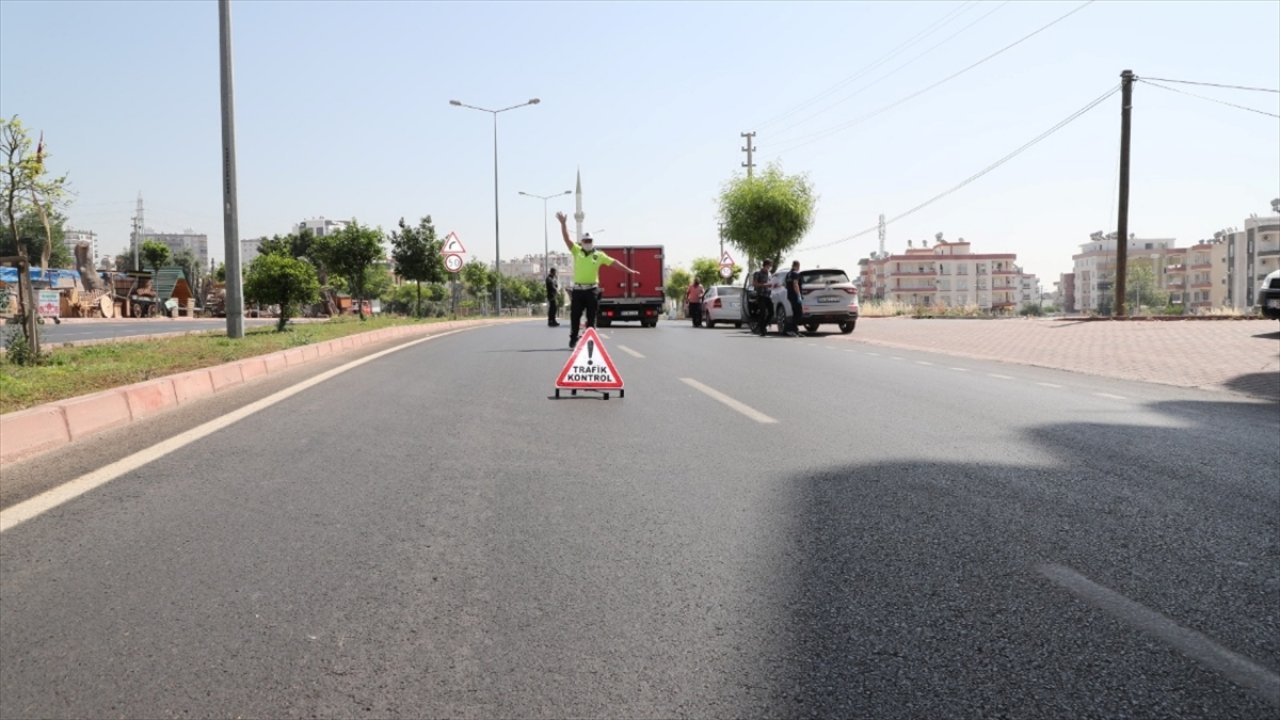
x: 1237, y: 356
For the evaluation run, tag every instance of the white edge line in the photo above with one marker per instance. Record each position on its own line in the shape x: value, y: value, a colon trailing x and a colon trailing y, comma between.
x: 717, y: 395
x: 45, y: 501
x: 1048, y: 385
x: 1197, y: 646
x: 630, y: 352
x: 1002, y: 377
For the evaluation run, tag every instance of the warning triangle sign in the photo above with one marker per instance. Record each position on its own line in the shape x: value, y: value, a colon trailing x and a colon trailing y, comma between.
x: 589, y: 366
x: 725, y: 260
x: 452, y: 245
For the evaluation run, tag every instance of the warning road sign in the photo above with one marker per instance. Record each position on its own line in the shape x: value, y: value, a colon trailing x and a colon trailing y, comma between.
x: 726, y: 260
x: 452, y: 245
x: 589, y: 366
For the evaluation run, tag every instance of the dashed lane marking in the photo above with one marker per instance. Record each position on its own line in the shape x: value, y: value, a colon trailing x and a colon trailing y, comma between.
x: 1002, y: 377
x: 1110, y: 396
x: 1048, y: 385
x: 734, y: 404
x: 630, y: 352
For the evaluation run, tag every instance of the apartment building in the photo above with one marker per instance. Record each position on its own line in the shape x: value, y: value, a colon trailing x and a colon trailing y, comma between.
x: 948, y: 274
x: 1242, y: 257
x: 197, y: 243
x: 320, y: 227
x: 1094, y: 267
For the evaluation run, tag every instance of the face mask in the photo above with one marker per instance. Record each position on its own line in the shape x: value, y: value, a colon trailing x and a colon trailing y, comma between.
x: 588, y: 248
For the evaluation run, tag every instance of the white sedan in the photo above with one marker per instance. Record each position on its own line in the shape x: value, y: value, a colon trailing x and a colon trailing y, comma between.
x: 723, y: 304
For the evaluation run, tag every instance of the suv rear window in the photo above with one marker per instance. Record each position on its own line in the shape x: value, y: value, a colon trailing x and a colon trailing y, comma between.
x: 822, y: 277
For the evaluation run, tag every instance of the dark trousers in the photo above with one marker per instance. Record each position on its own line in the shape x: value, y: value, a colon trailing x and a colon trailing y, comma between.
x: 579, y: 300
x: 797, y: 309
x: 695, y: 312
x: 551, y: 309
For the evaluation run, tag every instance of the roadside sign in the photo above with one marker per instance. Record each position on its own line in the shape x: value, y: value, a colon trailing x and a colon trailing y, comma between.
x: 452, y: 263
x: 726, y: 271
x: 452, y: 245
x: 726, y: 260
x: 589, y: 366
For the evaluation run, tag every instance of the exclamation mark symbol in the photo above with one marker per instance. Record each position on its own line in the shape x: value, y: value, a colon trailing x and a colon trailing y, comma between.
x: 591, y: 348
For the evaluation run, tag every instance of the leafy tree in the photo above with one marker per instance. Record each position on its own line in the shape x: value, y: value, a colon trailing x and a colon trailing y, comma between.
x: 766, y: 215
x: 1142, y: 284
x: 478, y: 278
x: 31, y: 229
x: 220, y: 273
x: 26, y: 188
x: 274, y: 245
x: 276, y: 279
x: 377, y: 279
x: 156, y: 254
x: 707, y: 270
x: 348, y: 253
x: 678, y: 284
x: 416, y: 253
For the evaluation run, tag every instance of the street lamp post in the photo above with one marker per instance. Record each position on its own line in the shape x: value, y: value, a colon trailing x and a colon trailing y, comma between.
x: 497, y: 242
x: 546, y: 254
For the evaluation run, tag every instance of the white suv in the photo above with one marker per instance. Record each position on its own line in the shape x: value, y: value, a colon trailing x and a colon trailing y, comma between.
x: 827, y: 298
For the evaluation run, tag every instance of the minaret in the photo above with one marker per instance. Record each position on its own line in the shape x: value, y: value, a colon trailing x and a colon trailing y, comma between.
x: 578, y: 215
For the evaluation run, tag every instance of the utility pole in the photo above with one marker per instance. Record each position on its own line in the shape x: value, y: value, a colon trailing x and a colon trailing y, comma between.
x: 1122, y: 228
x: 749, y: 149
x: 230, y: 218
x: 138, y: 224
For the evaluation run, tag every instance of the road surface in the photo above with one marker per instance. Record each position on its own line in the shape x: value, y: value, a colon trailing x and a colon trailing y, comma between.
x: 762, y: 527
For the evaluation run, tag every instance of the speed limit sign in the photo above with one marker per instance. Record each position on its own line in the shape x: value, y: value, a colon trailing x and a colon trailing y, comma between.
x: 726, y: 272
x: 452, y: 262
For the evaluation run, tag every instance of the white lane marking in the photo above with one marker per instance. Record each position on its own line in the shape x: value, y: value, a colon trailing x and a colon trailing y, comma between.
x: 717, y: 395
x: 960, y: 369
x: 874, y: 354
x: 630, y: 352
x: 50, y: 499
x: 923, y: 362
x: 1002, y: 377
x: 1111, y: 397
x: 894, y: 357
x: 1048, y: 385
x: 1197, y: 646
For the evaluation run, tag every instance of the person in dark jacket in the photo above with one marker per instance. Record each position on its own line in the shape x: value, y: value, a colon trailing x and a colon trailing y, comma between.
x: 553, y: 297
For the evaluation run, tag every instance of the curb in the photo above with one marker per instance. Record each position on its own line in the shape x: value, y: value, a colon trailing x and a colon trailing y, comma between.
x: 27, y: 433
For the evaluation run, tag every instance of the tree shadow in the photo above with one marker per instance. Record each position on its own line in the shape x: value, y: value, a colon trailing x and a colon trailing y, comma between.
x: 917, y: 589
x: 1263, y: 385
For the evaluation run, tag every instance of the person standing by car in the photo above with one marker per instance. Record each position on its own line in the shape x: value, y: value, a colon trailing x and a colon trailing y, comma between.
x: 794, y: 299
x: 694, y: 298
x: 761, y: 282
x: 553, y: 296
x: 585, y: 293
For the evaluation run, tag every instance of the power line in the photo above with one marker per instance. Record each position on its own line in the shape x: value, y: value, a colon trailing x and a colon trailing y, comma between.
x: 1212, y: 100
x: 1061, y: 124
x: 1219, y: 85
x: 886, y: 58
x: 894, y: 71
x: 802, y: 141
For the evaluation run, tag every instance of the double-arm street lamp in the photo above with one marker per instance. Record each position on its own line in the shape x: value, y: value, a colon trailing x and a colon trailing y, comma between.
x: 497, y: 242
x: 546, y: 255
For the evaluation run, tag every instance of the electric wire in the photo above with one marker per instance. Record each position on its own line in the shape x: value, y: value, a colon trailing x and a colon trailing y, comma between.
x: 822, y: 134
x: 1218, y: 85
x: 1212, y: 100
x: 886, y: 58
x: 892, y: 72
x: 1061, y: 124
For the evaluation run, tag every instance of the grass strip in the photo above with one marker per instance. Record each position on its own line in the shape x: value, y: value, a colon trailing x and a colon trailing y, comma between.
x: 67, y: 372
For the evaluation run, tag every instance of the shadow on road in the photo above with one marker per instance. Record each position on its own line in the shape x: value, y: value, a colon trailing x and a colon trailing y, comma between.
x: 953, y: 617
x: 1263, y: 385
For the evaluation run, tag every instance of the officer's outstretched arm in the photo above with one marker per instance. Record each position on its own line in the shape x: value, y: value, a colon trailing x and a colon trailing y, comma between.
x: 564, y: 230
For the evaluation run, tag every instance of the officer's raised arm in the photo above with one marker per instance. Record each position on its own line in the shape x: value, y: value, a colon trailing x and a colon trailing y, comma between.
x: 564, y: 230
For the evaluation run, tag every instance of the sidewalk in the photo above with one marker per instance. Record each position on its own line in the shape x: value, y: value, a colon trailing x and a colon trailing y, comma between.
x: 1236, y: 356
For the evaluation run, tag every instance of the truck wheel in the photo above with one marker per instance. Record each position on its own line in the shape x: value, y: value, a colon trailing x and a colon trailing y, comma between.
x: 847, y: 327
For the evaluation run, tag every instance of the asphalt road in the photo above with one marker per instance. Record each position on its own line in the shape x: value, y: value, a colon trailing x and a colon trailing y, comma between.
x: 761, y: 527
x: 106, y: 329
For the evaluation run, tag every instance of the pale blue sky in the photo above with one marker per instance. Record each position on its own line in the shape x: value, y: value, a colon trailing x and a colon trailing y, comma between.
x: 342, y: 110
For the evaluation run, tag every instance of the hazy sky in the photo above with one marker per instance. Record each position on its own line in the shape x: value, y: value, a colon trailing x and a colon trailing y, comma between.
x: 342, y: 111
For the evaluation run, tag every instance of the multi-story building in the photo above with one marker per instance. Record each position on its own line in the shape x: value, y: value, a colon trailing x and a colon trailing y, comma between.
x: 1242, y: 258
x: 249, y: 250
x: 197, y: 243
x: 948, y: 275
x: 1095, y: 267
x: 320, y: 226
x: 71, y: 238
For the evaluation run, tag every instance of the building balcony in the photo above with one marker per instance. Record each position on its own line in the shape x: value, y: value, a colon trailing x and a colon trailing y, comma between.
x: 913, y: 290
x: 1202, y: 266
x: 929, y: 273
x: 1268, y: 252
x: 1202, y: 285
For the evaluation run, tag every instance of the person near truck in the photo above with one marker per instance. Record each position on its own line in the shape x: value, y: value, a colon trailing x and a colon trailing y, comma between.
x: 762, y: 281
x: 553, y: 297
x: 584, y: 294
x: 694, y: 298
x: 794, y: 299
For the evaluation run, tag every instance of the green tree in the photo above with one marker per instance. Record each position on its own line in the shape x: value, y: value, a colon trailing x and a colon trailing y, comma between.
x: 26, y: 188
x: 766, y: 215
x: 348, y: 253
x: 155, y: 254
x: 1142, y: 287
x: 416, y: 253
x: 276, y: 279
x: 220, y: 273
x: 707, y: 270
x: 477, y: 278
x: 274, y: 245
x: 31, y: 229
x: 678, y: 284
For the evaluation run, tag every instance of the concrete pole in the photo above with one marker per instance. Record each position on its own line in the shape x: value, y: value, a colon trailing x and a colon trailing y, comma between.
x: 1122, y: 225
x: 230, y: 218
